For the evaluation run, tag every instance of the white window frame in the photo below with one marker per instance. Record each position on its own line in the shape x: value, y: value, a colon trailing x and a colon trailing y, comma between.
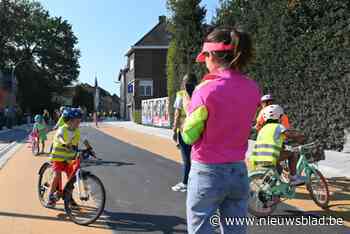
x: 132, y: 82
x: 143, y: 85
x: 132, y: 63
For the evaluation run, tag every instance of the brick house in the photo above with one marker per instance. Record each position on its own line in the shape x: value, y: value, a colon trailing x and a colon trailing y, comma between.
x: 144, y: 76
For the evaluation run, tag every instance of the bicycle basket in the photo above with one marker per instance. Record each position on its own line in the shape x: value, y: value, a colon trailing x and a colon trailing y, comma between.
x: 315, y: 153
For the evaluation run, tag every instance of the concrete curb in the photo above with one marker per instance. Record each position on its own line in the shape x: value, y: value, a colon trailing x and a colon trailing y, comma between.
x: 6, y: 155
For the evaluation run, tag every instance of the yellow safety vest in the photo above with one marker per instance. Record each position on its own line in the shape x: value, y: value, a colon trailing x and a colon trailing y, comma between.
x: 185, y: 102
x: 267, y: 148
x: 59, y: 152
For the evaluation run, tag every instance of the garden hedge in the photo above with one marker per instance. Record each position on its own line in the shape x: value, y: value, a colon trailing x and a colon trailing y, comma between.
x: 302, y: 58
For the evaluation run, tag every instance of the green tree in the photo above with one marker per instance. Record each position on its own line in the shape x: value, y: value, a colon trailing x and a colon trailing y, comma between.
x: 46, y: 44
x: 186, y: 25
x: 84, y: 98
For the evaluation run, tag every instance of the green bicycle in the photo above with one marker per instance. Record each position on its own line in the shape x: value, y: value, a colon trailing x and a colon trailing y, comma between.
x: 268, y: 187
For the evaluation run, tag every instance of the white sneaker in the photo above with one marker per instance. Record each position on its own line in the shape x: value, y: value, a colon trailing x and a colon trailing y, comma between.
x: 180, y: 187
x: 297, y: 180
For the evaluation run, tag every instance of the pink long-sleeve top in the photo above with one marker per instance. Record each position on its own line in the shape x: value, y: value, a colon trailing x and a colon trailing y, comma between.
x: 220, y: 117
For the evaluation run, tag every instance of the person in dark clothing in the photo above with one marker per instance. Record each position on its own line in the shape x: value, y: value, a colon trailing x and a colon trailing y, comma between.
x: 182, y: 101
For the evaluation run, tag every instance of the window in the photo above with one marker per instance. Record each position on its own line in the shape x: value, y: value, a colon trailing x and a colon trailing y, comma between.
x: 132, y: 63
x: 146, y: 88
x: 131, y: 87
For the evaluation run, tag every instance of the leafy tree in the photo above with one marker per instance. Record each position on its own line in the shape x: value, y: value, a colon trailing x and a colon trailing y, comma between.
x: 44, y: 48
x: 84, y: 98
x: 186, y: 24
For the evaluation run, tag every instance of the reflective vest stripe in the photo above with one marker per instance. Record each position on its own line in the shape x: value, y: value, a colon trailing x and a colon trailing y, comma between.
x: 268, y: 146
x: 273, y: 154
x: 61, y: 156
x: 62, y: 149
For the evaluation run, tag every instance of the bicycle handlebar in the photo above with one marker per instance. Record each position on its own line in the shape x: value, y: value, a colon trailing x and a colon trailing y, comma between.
x: 306, y: 146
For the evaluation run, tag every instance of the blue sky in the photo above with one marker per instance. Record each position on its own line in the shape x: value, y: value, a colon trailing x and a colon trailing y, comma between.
x: 106, y: 29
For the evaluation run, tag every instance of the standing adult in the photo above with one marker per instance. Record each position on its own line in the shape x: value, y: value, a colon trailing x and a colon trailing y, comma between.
x: 56, y: 115
x: 60, y: 122
x: 46, y: 117
x: 95, y: 117
x: 5, y: 88
x: 182, y: 101
x: 219, y: 123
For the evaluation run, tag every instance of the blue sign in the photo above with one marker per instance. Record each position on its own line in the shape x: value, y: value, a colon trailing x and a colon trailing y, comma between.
x: 131, y: 88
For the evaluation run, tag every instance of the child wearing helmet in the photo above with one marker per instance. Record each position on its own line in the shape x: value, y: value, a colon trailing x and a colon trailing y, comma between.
x: 266, y: 101
x: 65, y: 143
x: 41, y: 128
x: 270, y: 141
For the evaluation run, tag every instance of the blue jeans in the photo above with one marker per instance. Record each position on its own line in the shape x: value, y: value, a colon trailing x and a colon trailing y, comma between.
x: 216, y: 187
x: 186, y: 158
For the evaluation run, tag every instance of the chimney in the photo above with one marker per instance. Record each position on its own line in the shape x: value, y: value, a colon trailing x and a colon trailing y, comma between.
x: 162, y: 19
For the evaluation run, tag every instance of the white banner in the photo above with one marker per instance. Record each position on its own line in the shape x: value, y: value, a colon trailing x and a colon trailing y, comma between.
x: 155, y: 112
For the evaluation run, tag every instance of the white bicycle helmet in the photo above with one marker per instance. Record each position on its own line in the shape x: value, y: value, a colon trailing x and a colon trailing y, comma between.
x: 273, y: 112
x: 267, y: 97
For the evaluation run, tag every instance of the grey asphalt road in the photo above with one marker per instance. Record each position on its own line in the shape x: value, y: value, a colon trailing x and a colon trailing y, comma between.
x: 139, y: 198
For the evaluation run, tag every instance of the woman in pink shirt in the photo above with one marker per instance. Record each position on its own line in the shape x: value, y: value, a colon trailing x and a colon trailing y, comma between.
x: 218, y: 126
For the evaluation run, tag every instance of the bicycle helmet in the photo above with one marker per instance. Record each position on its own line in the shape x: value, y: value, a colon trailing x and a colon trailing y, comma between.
x: 66, y: 114
x: 75, y: 113
x: 38, y: 118
x: 273, y: 112
x: 267, y: 97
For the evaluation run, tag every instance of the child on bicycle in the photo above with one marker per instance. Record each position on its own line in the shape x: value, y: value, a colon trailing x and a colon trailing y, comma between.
x: 41, y: 128
x: 65, y: 144
x: 270, y: 142
x: 266, y: 101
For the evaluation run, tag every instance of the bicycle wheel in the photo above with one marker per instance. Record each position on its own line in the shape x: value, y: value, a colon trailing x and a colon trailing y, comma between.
x: 256, y: 206
x: 86, y: 207
x: 35, y: 147
x: 318, y: 189
x: 45, y: 178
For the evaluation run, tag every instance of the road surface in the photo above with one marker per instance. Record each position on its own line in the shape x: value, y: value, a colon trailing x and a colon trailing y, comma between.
x: 137, y: 181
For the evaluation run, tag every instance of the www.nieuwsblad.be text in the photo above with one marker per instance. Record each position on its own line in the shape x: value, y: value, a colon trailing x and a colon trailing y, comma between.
x: 216, y: 220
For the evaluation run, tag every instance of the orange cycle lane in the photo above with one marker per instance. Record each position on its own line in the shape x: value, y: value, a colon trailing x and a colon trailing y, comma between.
x: 20, y: 209
x: 339, y: 186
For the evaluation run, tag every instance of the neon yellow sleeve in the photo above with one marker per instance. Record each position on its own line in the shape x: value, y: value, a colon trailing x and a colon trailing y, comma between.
x: 60, y: 122
x: 194, y: 125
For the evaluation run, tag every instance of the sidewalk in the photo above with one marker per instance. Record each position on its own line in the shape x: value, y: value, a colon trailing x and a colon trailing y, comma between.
x: 337, y: 164
x: 9, y: 141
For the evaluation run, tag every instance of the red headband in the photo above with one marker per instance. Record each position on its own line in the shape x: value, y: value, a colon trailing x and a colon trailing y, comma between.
x: 211, y: 47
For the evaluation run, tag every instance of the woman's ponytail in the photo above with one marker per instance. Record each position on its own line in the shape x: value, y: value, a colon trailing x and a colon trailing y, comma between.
x: 242, y: 53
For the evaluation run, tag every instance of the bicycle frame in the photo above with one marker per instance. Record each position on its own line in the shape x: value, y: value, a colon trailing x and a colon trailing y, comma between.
x: 75, y: 172
x: 304, y: 165
x: 285, y: 189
